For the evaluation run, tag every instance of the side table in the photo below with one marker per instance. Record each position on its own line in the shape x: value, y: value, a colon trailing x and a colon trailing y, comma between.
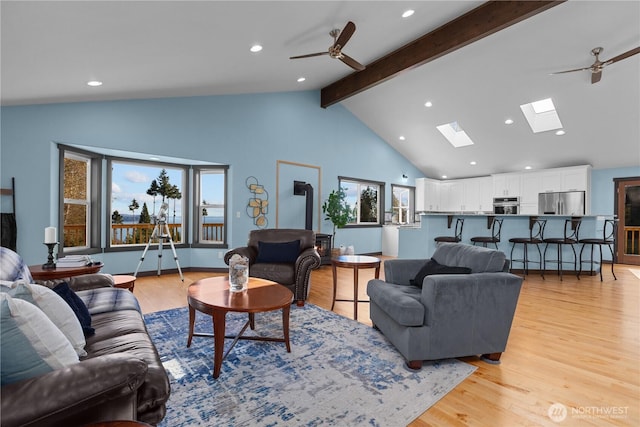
x: 356, y: 262
x: 124, y: 282
x: 39, y: 273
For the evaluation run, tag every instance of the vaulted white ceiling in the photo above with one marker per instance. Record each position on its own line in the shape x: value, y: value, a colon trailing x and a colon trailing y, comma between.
x: 149, y: 49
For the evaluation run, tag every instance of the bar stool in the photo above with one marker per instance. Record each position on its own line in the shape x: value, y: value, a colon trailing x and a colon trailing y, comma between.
x: 496, y: 227
x: 571, y: 230
x: 536, y: 234
x: 457, y: 237
x: 608, y: 240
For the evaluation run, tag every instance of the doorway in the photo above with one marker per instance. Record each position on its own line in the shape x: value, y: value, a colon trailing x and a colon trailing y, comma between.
x: 628, y: 210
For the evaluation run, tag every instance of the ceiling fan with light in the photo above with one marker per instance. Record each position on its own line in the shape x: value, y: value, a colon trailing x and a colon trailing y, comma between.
x: 340, y: 39
x: 597, y: 66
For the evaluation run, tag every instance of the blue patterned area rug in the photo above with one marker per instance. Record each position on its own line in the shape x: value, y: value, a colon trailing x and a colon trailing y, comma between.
x: 339, y: 372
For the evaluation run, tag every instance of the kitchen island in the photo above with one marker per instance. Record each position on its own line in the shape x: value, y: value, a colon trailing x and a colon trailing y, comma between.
x: 417, y: 242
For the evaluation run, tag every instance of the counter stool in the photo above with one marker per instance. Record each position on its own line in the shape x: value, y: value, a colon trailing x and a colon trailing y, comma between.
x: 458, y: 233
x: 608, y: 240
x: 536, y: 234
x: 571, y: 230
x: 496, y: 227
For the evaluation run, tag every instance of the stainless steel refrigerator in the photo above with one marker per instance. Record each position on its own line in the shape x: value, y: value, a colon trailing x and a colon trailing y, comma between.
x: 561, y: 203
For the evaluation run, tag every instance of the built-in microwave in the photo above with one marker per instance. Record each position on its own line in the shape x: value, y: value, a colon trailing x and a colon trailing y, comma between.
x: 506, y: 205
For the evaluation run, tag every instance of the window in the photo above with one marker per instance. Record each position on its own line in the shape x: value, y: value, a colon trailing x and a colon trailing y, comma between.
x: 366, y: 200
x: 79, y: 203
x: 141, y: 197
x: 210, y: 211
x: 402, y: 202
x: 146, y: 197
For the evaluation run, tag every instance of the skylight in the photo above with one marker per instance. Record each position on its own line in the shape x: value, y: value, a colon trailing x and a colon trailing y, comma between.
x: 455, y: 134
x: 541, y: 115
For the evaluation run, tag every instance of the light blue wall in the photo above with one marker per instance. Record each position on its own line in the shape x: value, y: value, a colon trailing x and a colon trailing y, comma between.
x: 603, y: 197
x: 248, y: 132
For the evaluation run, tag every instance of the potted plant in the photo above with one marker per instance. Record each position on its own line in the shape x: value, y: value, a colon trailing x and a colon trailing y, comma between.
x: 337, y: 211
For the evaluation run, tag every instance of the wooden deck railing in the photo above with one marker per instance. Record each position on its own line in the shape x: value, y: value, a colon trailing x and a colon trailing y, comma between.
x: 131, y: 234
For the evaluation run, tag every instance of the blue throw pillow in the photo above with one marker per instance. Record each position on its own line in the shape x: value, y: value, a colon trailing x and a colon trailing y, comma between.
x: 77, y: 305
x: 432, y: 267
x: 286, y: 252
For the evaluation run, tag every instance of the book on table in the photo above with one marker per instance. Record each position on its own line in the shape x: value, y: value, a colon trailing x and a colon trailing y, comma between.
x: 74, y: 261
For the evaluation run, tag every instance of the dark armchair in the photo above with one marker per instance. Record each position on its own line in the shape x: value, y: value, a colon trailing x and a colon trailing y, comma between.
x: 285, y: 256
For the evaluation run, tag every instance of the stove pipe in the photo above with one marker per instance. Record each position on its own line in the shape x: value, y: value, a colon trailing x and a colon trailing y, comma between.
x: 300, y: 189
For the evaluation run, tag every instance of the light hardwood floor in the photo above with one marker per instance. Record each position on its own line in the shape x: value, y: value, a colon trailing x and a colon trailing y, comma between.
x: 575, y: 342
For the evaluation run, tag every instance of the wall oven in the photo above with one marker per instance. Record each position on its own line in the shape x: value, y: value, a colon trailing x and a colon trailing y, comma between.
x: 506, y: 205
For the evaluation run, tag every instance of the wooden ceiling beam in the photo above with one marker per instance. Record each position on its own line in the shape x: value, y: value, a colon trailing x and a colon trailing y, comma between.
x: 476, y: 24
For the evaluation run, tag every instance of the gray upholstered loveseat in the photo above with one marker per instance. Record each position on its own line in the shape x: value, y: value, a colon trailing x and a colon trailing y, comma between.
x: 450, y: 315
x: 267, y: 252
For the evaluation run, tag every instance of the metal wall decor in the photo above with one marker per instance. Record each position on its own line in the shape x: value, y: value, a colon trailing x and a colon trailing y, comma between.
x: 258, y: 205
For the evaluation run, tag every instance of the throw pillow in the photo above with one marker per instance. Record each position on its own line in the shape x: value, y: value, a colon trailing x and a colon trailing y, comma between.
x: 77, y: 305
x: 31, y: 344
x: 56, y: 309
x: 278, y: 252
x: 432, y: 267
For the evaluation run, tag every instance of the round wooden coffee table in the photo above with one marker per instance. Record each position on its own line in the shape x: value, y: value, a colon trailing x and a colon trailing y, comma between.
x: 356, y: 262
x: 212, y: 296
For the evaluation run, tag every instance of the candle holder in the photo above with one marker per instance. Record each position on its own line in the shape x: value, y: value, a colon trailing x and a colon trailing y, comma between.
x: 50, y: 264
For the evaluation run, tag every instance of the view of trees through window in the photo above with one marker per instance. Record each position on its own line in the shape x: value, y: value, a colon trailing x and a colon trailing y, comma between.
x: 141, y: 193
x: 364, y: 199
x: 76, y: 201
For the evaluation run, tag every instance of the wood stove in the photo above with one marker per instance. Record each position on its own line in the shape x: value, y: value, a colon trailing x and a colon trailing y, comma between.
x: 323, y: 246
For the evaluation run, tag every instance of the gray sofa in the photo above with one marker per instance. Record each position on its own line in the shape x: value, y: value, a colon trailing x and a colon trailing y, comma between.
x: 452, y: 315
x: 295, y: 273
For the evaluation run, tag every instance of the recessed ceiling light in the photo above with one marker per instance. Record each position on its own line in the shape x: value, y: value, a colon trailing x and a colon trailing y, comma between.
x: 528, y: 167
x: 94, y: 83
x: 428, y: 104
x: 154, y: 158
x: 256, y: 48
x: 560, y: 132
x: 401, y: 138
x: 444, y: 176
x: 508, y: 122
x: 301, y: 79
x: 473, y: 163
x: 407, y: 13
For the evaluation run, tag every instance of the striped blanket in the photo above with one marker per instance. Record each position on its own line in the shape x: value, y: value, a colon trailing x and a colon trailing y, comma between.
x: 103, y: 300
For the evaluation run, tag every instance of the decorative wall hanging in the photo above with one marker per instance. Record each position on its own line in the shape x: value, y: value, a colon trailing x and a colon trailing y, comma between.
x: 258, y: 205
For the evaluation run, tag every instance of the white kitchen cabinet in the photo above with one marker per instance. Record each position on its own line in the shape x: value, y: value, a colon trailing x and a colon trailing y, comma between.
x: 452, y: 196
x: 427, y: 195
x: 576, y: 178
x: 506, y: 184
x: 433, y: 195
x: 532, y: 184
x: 390, y: 238
x: 486, y: 194
x: 421, y: 190
x: 551, y: 180
x: 471, y: 194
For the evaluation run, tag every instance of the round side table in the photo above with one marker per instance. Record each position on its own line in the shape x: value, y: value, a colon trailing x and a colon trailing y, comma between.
x: 356, y: 262
x: 124, y: 282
